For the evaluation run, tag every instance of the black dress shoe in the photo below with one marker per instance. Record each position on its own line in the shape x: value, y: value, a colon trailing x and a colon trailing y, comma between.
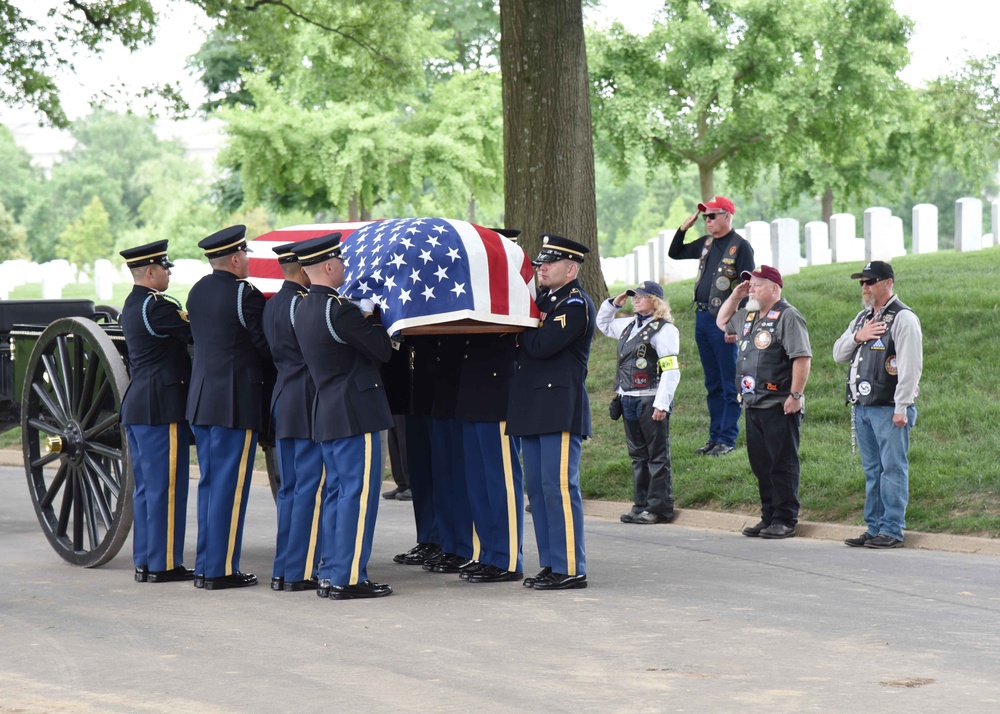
x: 452, y: 564
x: 199, y: 580
x: 297, y: 586
x: 543, y: 574
x: 323, y: 588
x: 236, y: 580
x: 778, y: 530
x: 558, y: 581
x: 702, y: 450
x: 177, y: 574
x: 493, y: 574
x: 418, y: 554
x: 754, y: 531
x: 141, y: 574
x: 277, y: 584
x: 390, y: 495
x: 474, y: 568
x: 404, y: 495
x: 860, y: 540
x: 434, y: 559
x: 364, y: 589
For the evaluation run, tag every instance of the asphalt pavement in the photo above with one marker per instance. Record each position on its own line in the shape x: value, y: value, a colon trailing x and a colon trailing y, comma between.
x: 677, y: 618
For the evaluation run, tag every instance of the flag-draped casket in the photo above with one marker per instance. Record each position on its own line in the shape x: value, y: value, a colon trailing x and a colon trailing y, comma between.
x: 425, y: 274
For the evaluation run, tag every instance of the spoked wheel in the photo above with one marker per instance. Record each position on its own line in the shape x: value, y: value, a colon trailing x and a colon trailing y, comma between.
x: 71, y: 398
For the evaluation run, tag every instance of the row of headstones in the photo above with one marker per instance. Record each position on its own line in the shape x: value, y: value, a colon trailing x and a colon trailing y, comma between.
x: 55, y: 275
x: 778, y: 244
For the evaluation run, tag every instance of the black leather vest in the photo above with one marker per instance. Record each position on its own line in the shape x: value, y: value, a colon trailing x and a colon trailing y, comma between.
x: 637, y: 359
x: 877, y: 375
x: 763, y: 368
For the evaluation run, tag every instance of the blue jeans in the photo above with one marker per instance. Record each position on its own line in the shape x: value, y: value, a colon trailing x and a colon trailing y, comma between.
x: 883, y: 448
x: 718, y: 360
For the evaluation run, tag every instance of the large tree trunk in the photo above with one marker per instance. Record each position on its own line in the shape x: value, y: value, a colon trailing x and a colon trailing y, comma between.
x: 827, y: 204
x: 706, y: 177
x: 548, y: 145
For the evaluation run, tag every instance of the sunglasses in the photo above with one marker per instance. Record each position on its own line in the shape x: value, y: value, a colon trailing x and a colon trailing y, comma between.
x: 713, y: 216
x: 870, y: 281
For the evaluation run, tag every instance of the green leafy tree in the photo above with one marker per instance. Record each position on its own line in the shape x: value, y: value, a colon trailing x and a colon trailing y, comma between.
x: 18, y: 179
x: 13, y: 238
x: 88, y: 238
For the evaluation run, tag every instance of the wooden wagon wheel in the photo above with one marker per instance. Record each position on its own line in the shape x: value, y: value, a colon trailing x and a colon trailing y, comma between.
x: 71, y: 398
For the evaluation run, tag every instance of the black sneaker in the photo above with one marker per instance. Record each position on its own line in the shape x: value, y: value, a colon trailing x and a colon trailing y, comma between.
x: 884, y: 541
x: 754, y: 531
x: 720, y: 450
x: 778, y: 530
x: 390, y: 495
x: 629, y: 517
x: 702, y: 450
x: 649, y: 518
x: 860, y: 540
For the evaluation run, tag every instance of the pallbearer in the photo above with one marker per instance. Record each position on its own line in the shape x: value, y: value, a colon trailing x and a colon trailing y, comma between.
x: 157, y: 333
x: 343, y: 348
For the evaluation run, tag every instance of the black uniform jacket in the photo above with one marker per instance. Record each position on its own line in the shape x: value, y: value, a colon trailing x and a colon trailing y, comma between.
x: 549, y: 390
x: 484, y: 377
x: 232, y: 361
x: 343, y: 351
x: 294, y: 392
x: 157, y: 334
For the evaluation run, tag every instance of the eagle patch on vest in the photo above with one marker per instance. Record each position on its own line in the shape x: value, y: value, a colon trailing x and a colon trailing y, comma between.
x: 762, y: 340
x: 890, y: 365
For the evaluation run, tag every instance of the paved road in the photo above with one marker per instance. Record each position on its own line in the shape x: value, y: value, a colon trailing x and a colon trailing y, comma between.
x: 676, y: 619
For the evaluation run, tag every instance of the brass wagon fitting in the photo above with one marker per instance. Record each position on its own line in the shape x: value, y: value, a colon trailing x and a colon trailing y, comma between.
x: 53, y: 445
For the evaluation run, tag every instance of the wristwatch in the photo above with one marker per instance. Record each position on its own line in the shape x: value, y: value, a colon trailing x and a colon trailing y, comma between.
x: 796, y: 395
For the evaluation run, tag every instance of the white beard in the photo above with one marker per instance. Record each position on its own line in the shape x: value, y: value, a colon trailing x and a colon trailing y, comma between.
x: 867, y: 302
x: 753, y: 304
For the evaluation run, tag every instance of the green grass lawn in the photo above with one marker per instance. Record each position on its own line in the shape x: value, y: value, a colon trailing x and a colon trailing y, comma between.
x: 955, y: 445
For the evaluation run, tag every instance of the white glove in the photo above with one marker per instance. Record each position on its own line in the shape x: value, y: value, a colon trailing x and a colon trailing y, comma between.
x: 366, y: 305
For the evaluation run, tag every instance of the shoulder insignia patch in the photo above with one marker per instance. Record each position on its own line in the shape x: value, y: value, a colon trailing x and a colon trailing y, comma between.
x: 575, y: 301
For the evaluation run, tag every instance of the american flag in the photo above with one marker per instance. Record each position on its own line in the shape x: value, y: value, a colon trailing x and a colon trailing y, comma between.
x: 422, y: 271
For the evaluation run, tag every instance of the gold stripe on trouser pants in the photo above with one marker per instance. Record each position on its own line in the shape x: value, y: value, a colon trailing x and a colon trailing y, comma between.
x: 234, y: 522
x: 359, y: 536
x: 314, y: 530
x: 508, y: 482
x: 567, y: 505
x: 172, y: 496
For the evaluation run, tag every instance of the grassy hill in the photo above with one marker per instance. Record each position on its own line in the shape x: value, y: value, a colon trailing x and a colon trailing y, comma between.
x: 954, y: 446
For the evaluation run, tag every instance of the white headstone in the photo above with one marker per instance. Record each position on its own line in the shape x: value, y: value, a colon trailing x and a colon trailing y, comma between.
x: 968, y: 224
x: 630, y: 270
x: 758, y: 234
x: 987, y: 240
x: 818, y: 243
x: 845, y: 246
x: 897, y: 246
x: 785, y: 251
x: 104, y: 279
x: 643, y: 269
x: 925, y: 228
x: 655, y: 257
x: 995, y: 218
x: 878, y: 232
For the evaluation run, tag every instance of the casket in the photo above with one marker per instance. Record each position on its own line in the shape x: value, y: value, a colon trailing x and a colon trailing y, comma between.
x: 426, y: 275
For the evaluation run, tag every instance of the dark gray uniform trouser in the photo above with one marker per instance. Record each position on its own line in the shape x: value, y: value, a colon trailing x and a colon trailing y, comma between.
x: 649, y: 446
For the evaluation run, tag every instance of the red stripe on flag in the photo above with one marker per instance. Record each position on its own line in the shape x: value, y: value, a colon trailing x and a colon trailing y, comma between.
x: 496, y: 260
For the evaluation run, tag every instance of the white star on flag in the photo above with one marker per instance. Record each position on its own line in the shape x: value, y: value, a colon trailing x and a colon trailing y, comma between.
x: 458, y: 289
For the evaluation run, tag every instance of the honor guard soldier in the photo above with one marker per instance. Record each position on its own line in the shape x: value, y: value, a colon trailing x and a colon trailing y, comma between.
x: 157, y: 334
x: 225, y: 403
x: 300, y: 459
x: 550, y: 411
x: 343, y: 349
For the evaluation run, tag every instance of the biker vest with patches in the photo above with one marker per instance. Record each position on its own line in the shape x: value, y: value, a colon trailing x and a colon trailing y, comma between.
x: 763, y: 368
x: 637, y: 358
x: 725, y: 277
x: 875, y: 360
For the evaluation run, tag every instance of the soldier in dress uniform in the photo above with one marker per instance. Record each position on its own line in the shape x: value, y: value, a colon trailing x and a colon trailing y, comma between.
x: 343, y: 348
x: 300, y: 459
x: 550, y: 411
x: 157, y: 333
x: 232, y: 363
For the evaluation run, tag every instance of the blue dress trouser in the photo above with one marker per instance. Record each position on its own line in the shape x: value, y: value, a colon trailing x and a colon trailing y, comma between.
x: 299, y: 502
x: 718, y: 360
x: 552, y: 481
x: 451, y: 496
x: 350, y: 505
x: 225, y: 458
x: 496, y: 493
x: 421, y: 473
x: 161, y: 469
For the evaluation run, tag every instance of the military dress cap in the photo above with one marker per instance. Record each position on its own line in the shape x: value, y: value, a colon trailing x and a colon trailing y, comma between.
x: 876, y: 269
x: 648, y: 287
x: 154, y: 253
x: 511, y: 233
x: 285, y: 254
x: 318, y: 250
x: 558, y: 248
x: 766, y: 272
x: 225, y: 242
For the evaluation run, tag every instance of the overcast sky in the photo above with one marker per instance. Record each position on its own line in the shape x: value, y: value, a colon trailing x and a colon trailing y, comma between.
x: 946, y: 33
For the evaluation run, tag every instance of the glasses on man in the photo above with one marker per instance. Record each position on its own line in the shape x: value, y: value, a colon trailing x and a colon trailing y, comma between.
x: 713, y: 216
x: 870, y: 281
